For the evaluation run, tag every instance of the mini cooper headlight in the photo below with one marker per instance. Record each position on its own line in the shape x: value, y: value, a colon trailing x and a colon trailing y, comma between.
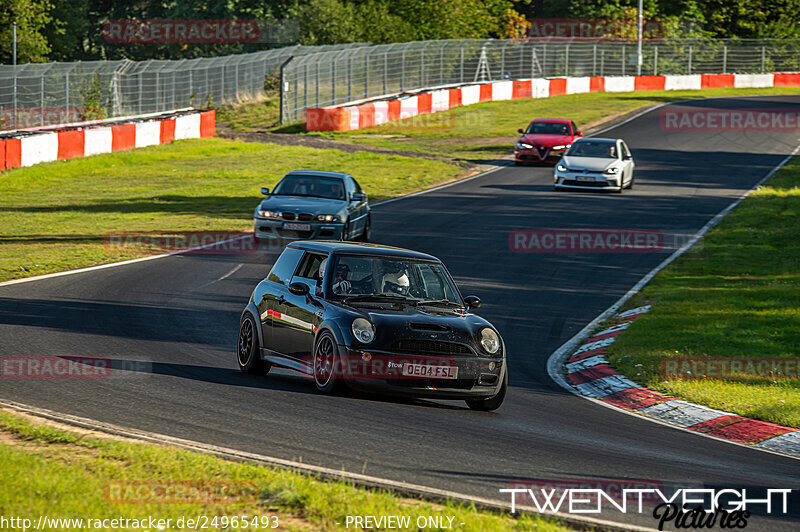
x: 489, y: 340
x: 326, y: 217
x: 363, y: 330
x: 561, y: 168
x: 269, y: 214
x: 611, y: 171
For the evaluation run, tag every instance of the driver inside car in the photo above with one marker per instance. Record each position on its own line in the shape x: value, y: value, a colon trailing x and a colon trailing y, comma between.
x: 340, y: 283
x: 394, y: 280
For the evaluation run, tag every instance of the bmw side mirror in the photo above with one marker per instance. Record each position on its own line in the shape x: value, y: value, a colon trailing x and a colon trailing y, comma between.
x: 265, y: 191
x: 472, y: 302
x: 520, y: 131
x: 298, y: 289
x: 358, y: 196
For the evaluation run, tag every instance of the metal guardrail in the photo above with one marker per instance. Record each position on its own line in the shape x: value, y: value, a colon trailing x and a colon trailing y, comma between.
x: 333, y: 77
x: 38, y: 94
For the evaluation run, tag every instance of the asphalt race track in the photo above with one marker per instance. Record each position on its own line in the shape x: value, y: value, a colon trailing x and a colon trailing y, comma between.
x: 173, y: 322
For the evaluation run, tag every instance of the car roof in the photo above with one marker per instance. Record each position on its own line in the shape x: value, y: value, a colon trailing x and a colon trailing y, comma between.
x: 318, y: 173
x: 556, y: 120
x: 358, y: 248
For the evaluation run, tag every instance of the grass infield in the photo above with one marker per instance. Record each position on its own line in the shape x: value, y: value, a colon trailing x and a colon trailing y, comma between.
x: 735, y: 296
x: 65, y: 474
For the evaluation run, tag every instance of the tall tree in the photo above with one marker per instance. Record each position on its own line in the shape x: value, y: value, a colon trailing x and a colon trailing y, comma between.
x: 31, y: 17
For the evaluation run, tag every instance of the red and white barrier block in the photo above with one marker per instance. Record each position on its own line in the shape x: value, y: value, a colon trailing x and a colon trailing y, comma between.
x: 589, y: 372
x: 350, y: 117
x: 29, y: 147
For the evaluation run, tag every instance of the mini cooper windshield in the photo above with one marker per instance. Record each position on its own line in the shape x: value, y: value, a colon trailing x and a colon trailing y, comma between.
x: 357, y: 277
x: 305, y: 185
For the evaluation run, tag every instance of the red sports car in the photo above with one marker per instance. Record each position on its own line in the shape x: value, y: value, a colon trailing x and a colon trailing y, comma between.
x: 545, y: 140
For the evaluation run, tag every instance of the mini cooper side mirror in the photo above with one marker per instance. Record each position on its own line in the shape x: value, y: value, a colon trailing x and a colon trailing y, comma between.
x: 265, y: 191
x: 472, y: 302
x: 520, y: 131
x: 298, y: 289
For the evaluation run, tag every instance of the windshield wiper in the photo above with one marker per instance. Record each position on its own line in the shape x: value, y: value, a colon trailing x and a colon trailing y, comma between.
x: 442, y: 302
x: 377, y: 297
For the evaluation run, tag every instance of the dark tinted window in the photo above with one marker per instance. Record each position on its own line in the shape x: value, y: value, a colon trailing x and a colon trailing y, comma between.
x: 574, y: 128
x: 309, y: 271
x: 285, y: 265
x: 593, y: 148
x: 350, y: 185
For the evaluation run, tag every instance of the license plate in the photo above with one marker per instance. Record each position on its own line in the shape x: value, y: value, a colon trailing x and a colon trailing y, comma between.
x: 430, y: 371
x: 296, y: 227
x: 584, y: 178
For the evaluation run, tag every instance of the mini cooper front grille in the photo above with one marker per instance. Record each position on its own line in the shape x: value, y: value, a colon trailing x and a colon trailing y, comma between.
x: 435, y: 327
x: 424, y: 347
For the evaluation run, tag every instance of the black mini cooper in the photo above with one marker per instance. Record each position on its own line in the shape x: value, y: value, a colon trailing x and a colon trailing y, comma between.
x: 373, y: 317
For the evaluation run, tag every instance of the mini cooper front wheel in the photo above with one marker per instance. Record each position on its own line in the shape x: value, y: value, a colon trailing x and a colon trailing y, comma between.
x: 491, y: 403
x: 248, y: 351
x: 326, y: 360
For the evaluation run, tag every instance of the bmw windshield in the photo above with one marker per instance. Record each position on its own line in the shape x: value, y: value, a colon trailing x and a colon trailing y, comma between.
x: 308, y: 185
x: 359, y: 277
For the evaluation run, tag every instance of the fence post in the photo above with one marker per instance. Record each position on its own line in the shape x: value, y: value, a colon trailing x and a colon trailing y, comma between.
x: 690, y: 59
x: 655, y: 60
x: 191, y: 82
x: 283, y: 102
x: 349, y: 77
x: 139, y: 103
x: 366, y: 75
x: 594, y: 59
x: 316, y: 98
x: 66, y: 96
x: 422, y: 65
x: 441, y: 63
x: 566, y: 61
x: 403, y: 69
x: 385, y: 68
x: 461, y: 53
x: 624, y: 59
x: 602, y: 61
x: 41, y: 101
x: 305, y: 85
x: 333, y: 80
x: 725, y: 59
x: 763, y: 58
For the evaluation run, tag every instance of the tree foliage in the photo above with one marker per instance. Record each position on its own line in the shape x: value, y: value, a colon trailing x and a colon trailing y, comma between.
x: 31, y: 17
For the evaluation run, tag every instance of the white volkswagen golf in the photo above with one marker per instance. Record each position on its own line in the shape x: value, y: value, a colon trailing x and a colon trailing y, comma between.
x: 595, y: 164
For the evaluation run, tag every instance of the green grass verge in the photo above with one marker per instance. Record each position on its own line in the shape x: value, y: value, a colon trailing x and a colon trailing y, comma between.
x: 54, y: 216
x: 484, y: 130
x: 47, y: 471
x: 736, y: 295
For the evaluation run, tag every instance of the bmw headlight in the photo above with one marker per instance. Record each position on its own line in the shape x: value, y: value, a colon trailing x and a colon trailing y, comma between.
x: 611, y: 171
x: 326, y: 217
x: 561, y: 168
x: 524, y: 145
x: 363, y: 330
x: 562, y: 147
x: 489, y: 340
x: 268, y: 214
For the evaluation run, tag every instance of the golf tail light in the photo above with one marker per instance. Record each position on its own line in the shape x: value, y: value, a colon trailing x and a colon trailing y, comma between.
x: 490, y: 341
